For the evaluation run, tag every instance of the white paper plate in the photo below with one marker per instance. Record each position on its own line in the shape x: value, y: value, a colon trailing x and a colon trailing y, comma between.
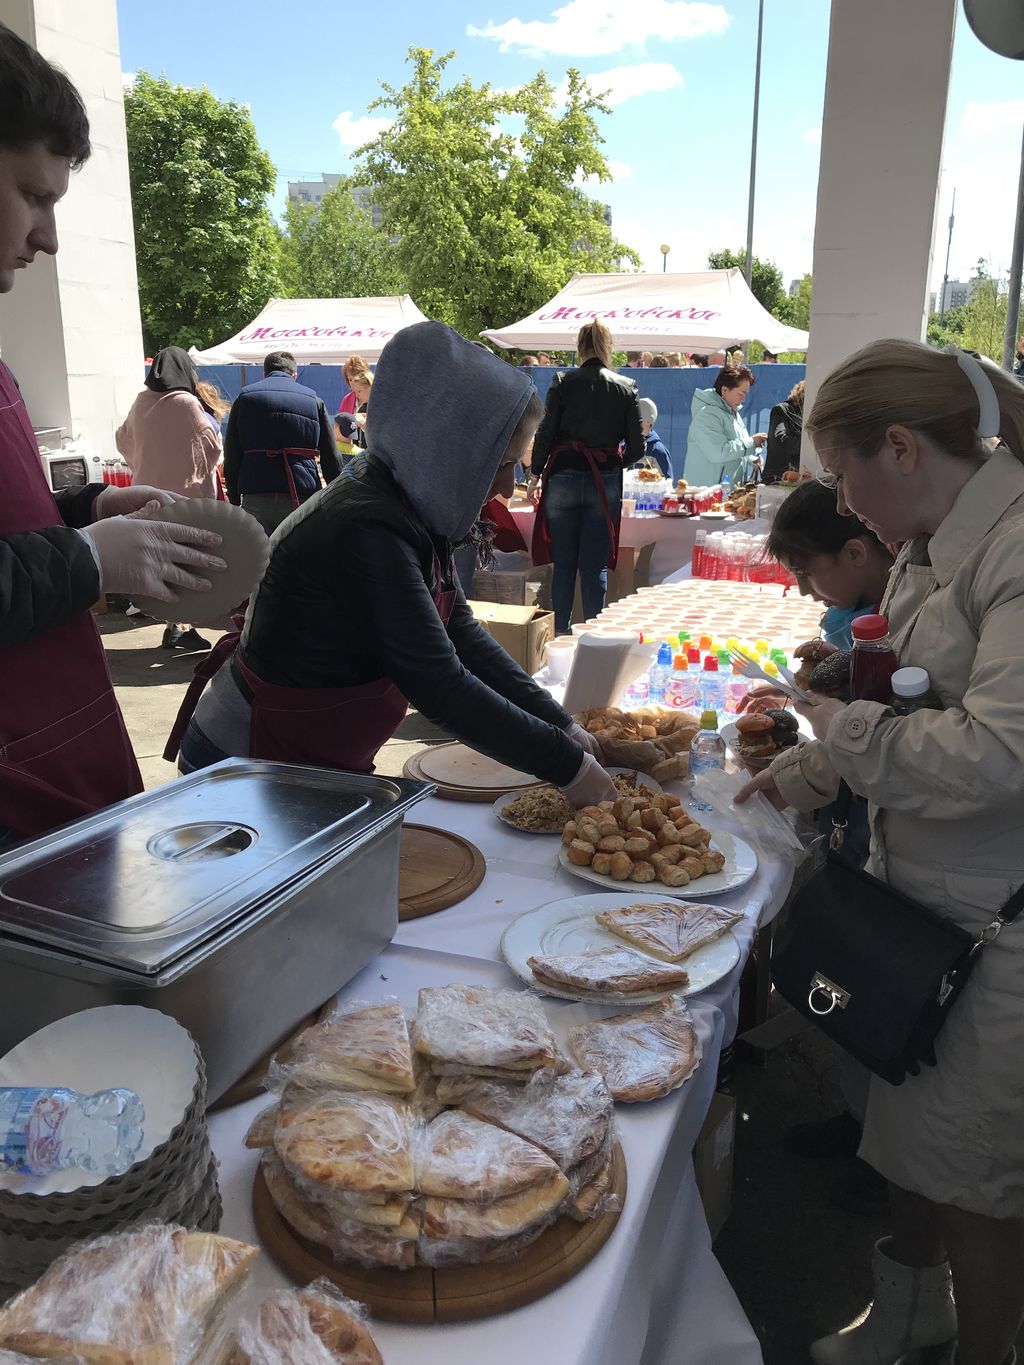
x: 570, y: 926
x: 244, y: 546
x: 715, y: 516
x: 740, y: 867
x: 111, y: 1047
x: 499, y: 806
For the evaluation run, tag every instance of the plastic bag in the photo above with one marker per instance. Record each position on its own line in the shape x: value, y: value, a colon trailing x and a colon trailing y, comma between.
x: 757, y: 819
x: 360, y: 1047
x: 641, y: 1055
x: 317, y: 1325
x: 154, y: 1290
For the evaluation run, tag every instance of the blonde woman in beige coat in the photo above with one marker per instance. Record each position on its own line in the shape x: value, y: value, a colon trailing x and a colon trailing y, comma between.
x: 901, y: 430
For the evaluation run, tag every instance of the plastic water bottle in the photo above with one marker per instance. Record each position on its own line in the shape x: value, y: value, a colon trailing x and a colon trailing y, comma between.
x: 726, y: 487
x: 660, y: 674
x: 707, y: 751
x: 710, y: 689
x: 681, y: 687
x: 637, y: 694
x: 51, y: 1130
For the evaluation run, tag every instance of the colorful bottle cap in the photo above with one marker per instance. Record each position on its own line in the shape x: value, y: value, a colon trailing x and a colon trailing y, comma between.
x: 679, y: 663
x: 711, y: 664
x: 777, y: 653
x: 732, y: 642
x: 737, y: 672
x: 870, y: 627
x: 693, y: 654
x: 723, y: 658
x: 781, y: 659
x: 705, y: 642
x: 761, y: 646
x: 771, y: 668
x: 709, y: 720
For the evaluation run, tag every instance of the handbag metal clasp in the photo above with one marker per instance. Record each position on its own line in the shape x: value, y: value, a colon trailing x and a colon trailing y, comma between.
x: 831, y: 995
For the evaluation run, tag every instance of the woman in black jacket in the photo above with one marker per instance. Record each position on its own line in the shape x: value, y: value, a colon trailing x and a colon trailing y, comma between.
x: 360, y: 612
x: 785, y: 428
x: 589, y: 413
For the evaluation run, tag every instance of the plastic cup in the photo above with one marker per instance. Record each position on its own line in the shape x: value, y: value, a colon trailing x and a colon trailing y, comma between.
x: 560, y: 653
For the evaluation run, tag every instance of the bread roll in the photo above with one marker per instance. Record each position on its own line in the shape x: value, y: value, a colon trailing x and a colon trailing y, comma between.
x: 581, y: 853
x: 621, y: 867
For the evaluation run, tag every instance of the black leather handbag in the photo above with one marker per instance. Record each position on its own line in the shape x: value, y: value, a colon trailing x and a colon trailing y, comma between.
x: 874, y: 969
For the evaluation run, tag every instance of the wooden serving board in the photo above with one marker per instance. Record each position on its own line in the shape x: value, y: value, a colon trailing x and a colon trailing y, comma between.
x: 457, y: 1293
x: 461, y: 774
x: 436, y: 869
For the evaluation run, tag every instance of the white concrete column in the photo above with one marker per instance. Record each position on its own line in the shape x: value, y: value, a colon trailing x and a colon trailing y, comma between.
x: 70, y: 328
x: 881, y: 153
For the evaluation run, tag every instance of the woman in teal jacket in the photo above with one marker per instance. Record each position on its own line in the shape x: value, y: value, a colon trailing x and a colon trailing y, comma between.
x: 719, y: 443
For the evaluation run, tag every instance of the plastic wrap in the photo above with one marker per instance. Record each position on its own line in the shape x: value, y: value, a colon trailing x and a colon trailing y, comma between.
x: 595, y: 1195
x: 156, y: 1293
x: 360, y: 1143
x: 606, y: 969
x: 317, y: 1325
x: 468, y: 1221
x: 472, y: 1030
x: 569, y: 1117
x: 756, y: 819
x: 643, y: 1055
x: 461, y: 1157
x: 655, y: 740
x: 667, y: 929
x: 363, y: 1047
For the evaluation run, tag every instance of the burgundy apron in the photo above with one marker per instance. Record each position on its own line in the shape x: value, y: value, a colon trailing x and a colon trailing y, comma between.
x: 541, y: 550
x: 287, y: 454
x: 64, y: 749
x: 325, y: 727
x: 507, y: 535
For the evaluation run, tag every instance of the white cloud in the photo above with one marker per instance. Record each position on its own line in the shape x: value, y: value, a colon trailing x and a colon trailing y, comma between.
x: 812, y: 137
x: 624, y: 83
x: 620, y: 170
x: 127, y: 79
x: 354, y: 130
x: 981, y: 117
x: 597, y: 28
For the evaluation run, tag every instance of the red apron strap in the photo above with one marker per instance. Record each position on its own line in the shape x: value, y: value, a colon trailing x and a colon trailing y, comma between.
x: 541, y: 551
x: 204, y: 671
x: 300, y: 452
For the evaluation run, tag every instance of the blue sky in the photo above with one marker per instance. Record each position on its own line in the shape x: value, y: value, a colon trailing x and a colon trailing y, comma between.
x: 681, y: 82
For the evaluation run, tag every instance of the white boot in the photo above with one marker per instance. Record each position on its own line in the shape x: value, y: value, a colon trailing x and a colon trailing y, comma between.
x: 912, y: 1308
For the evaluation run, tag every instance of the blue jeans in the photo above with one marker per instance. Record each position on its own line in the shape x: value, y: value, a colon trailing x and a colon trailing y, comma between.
x: 580, y: 542
x: 197, y: 751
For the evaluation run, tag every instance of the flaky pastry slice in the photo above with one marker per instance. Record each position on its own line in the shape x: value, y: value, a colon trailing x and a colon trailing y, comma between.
x: 641, y: 1055
x: 454, y: 1219
x: 311, y: 1326
x: 459, y: 1157
x: 569, y: 1116
x: 588, y: 1200
x: 471, y: 1026
x: 364, y: 1049
x: 667, y: 929
x: 606, y: 969
x: 148, y: 1297
x: 361, y: 1143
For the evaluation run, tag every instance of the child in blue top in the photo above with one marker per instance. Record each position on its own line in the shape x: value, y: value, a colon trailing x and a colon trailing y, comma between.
x: 835, y: 559
x: 654, y: 445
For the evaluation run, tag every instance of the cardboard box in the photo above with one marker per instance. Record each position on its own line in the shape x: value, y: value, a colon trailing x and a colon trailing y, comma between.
x: 521, y: 631
x: 712, y: 1161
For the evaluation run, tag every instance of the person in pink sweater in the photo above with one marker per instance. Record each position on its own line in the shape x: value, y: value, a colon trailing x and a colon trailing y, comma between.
x: 168, y: 440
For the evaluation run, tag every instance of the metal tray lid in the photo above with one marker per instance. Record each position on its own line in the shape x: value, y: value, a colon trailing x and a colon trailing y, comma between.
x: 143, y: 881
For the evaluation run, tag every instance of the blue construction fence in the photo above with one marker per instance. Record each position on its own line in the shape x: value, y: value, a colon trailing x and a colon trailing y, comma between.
x: 671, y: 390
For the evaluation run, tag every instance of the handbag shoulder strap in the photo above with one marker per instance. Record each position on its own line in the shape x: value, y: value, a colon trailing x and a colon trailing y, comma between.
x: 1013, y: 906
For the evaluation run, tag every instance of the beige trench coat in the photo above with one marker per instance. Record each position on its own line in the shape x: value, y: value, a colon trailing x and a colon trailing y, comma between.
x: 946, y: 794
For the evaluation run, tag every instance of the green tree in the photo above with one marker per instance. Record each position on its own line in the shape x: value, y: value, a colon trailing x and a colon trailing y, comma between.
x: 798, y: 305
x: 765, y: 280
x: 331, y: 250
x: 488, y: 226
x: 978, y: 324
x: 206, y: 248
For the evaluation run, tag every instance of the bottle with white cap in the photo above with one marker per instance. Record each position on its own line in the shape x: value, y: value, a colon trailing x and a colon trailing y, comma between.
x: 912, y: 691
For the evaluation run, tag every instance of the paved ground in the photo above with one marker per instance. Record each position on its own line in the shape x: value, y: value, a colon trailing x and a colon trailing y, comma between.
x: 799, y: 1266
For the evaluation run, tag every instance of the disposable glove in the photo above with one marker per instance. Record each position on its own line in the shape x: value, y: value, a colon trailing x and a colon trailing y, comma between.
x: 584, y: 737
x: 143, y: 558
x: 121, y: 502
x: 591, y: 785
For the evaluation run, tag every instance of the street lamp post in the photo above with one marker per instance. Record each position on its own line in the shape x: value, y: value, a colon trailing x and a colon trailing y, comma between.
x: 665, y: 249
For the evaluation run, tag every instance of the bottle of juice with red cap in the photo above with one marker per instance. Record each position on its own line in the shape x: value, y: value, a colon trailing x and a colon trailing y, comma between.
x: 874, y: 661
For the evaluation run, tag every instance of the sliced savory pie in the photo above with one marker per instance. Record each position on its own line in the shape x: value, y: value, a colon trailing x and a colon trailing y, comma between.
x: 473, y: 1027
x: 667, y: 929
x: 606, y: 969
x: 641, y: 1056
x: 569, y: 1116
x: 301, y: 1326
x: 364, y: 1049
x: 459, y: 1157
x: 344, y: 1141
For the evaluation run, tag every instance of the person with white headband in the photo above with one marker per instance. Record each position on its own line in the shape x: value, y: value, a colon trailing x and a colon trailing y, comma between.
x: 904, y: 434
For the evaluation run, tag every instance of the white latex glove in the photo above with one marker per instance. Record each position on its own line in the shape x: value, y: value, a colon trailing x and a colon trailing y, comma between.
x: 145, y: 558
x: 121, y: 502
x: 591, y: 785
x: 586, y: 739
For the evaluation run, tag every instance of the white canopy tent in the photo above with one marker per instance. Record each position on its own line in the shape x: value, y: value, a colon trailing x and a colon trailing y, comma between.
x: 324, y: 330
x: 703, y: 311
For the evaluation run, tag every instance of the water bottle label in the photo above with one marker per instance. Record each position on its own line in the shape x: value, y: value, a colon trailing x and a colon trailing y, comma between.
x: 33, y: 1138
x: 702, y: 763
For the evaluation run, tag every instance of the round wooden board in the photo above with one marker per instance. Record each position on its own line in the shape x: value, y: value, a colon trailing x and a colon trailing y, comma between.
x: 249, y: 1085
x: 436, y: 869
x: 452, y: 1295
x: 461, y: 774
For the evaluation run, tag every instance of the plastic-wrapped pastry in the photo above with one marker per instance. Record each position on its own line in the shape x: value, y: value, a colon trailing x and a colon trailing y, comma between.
x: 569, y: 1117
x: 463, y: 1219
x: 365, y: 1048
x: 667, y: 929
x: 312, y: 1326
x: 595, y: 1196
x: 155, y: 1295
x: 606, y: 969
x: 642, y: 1055
x: 361, y: 1143
x: 460, y: 1157
x: 472, y: 1027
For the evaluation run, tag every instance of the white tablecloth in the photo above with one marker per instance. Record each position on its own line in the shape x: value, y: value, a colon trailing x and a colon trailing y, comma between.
x: 654, y: 1293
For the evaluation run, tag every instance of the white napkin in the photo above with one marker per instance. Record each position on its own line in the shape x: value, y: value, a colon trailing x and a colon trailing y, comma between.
x: 602, y: 668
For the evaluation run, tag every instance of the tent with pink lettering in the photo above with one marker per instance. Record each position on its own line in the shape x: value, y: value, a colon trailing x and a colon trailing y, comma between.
x: 324, y: 330
x: 702, y: 312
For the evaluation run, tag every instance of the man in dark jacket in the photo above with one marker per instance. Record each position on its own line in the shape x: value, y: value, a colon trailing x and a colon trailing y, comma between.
x: 276, y: 430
